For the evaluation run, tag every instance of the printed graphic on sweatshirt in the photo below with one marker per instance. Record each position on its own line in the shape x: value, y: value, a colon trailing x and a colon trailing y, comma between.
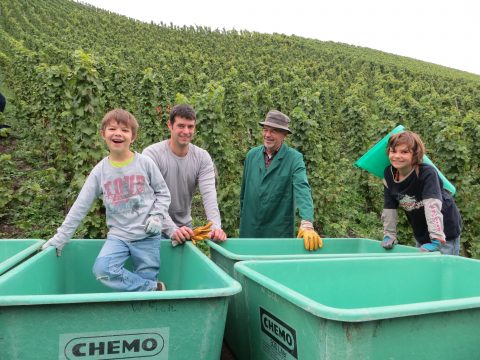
x: 124, y: 194
x: 408, y: 203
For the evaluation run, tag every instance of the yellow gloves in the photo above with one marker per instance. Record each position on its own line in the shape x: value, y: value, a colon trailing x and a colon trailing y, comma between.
x: 311, y: 240
x: 201, y: 232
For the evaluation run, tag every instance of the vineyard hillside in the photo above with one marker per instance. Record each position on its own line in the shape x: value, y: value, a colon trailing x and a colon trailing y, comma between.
x: 63, y: 64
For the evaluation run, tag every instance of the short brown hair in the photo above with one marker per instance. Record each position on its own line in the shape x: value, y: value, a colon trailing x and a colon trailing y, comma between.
x: 184, y: 111
x: 413, y: 142
x: 122, y: 117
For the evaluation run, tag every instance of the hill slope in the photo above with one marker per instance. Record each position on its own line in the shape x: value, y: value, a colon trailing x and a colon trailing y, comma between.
x: 66, y: 63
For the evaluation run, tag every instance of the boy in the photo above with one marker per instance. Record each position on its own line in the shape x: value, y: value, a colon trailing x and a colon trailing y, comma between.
x: 136, y: 199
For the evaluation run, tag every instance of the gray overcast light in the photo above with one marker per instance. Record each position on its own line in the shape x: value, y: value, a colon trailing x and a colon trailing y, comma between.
x: 443, y: 32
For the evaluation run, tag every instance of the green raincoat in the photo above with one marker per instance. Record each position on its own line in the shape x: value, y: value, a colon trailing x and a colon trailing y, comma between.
x: 269, y: 197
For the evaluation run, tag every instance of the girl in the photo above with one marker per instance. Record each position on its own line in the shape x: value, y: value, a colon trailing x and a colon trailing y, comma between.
x: 417, y: 188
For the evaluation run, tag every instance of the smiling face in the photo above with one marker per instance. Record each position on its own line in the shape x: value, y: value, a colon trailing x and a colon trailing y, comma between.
x: 401, y: 158
x: 118, y: 137
x: 181, y: 131
x: 406, y: 141
x: 273, y: 138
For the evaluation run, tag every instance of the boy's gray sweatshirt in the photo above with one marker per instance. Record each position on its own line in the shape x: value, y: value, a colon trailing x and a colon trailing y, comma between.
x: 130, y: 195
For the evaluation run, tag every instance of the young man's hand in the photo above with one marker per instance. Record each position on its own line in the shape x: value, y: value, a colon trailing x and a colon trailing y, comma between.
x: 181, y: 235
x: 218, y: 235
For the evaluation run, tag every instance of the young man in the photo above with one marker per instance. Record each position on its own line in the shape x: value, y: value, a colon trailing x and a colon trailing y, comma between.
x: 184, y: 166
x: 274, y: 184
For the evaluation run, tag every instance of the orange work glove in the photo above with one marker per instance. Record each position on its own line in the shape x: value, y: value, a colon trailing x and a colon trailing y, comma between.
x: 202, y: 232
x: 311, y: 239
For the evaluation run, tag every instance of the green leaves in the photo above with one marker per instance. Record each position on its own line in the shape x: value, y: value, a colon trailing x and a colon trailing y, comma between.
x: 66, y: 65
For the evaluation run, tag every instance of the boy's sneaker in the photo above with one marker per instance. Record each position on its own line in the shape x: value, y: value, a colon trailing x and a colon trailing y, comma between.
x: 161, y: 286
x: 388, y: 243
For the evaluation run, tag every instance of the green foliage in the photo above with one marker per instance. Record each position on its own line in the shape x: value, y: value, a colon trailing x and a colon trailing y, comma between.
x: 64, y: 64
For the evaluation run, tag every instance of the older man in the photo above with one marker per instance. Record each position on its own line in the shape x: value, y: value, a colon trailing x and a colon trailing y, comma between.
x: 274, y: 185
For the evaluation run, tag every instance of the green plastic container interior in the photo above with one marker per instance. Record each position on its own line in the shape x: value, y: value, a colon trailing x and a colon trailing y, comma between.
x: 14, y: 251
x: 362, y: 308
x: 344, y: 297
x: 375, y: 160
x: 226, y: 254
x: 73, y: 312
x: 270, y: 249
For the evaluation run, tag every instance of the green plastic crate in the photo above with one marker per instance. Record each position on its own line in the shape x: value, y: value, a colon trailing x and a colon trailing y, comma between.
x: 54, y: 308
x: 14, y: 251
x: 363, y: 308
x: 375, y: 160
x: 226, y: 254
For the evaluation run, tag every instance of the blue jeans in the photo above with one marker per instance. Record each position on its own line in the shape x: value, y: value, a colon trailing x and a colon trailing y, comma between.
x: 451, y: 247
x: 109, y: 265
